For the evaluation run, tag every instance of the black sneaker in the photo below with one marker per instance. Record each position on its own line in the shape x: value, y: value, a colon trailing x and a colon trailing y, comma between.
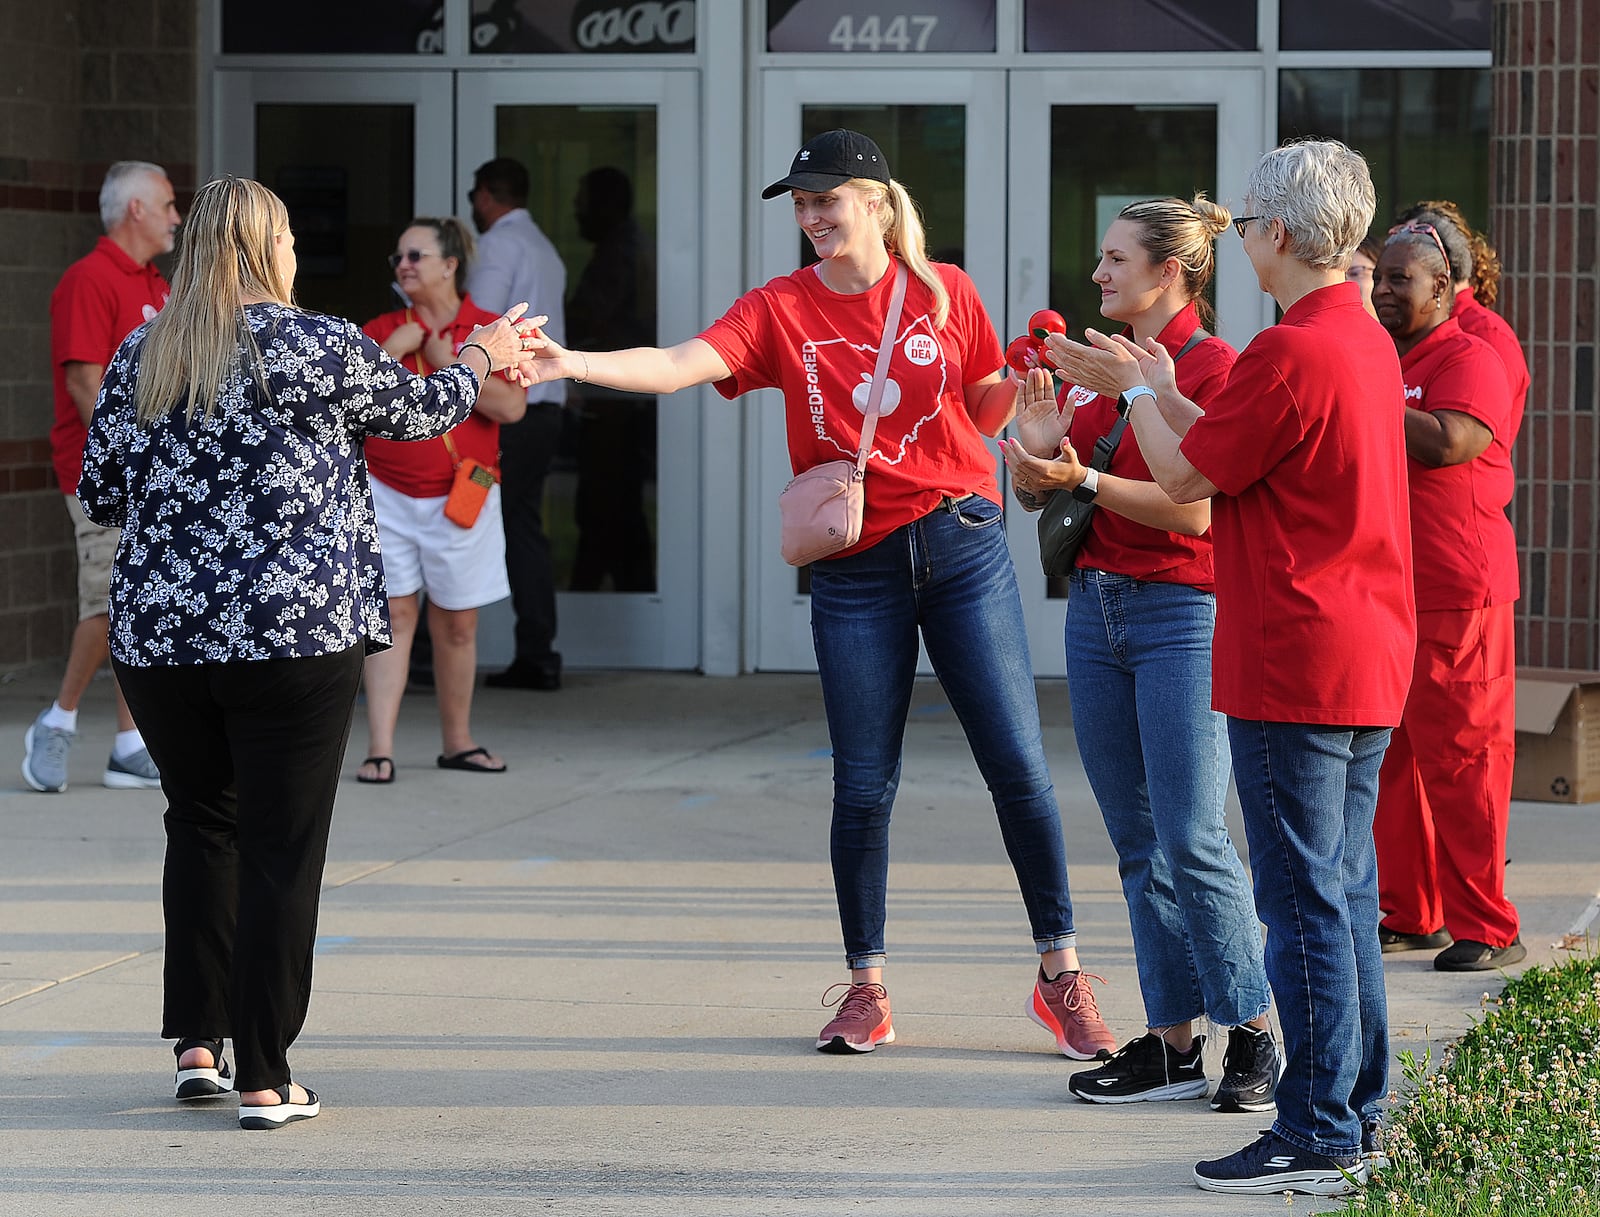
x: 1372, y: 1151
x: 1394, y: 940
x: 1465, y: 955
x: 1271, y: 1166
x: 1250, y: 1069
x: 1145, y: 1070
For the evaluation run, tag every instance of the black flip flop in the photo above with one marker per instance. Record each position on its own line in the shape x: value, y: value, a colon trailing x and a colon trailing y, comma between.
x: 463, y: 761
x: 384, y: 777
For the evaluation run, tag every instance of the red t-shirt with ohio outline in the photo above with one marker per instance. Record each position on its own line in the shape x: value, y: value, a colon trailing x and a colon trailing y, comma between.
x: 820, y: 348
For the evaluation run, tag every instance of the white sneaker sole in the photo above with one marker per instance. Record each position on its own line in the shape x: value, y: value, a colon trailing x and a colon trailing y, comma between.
x: 1308, y: 1182
x: 115, y: 779
x: 1156, y: 1094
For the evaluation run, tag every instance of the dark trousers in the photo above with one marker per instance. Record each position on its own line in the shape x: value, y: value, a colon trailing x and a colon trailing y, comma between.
x: 526, y: 450
x: 250, y: 756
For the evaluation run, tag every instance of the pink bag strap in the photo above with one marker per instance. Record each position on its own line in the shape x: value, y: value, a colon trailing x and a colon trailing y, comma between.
x: 880, y: 375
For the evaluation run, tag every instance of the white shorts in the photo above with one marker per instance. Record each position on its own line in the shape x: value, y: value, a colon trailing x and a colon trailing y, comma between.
x: 461, y: 568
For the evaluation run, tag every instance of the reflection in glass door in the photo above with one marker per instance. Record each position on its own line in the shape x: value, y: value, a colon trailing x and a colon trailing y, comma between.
x: 621, y: 509
x: 594, y: 194
x: 1125, y: 140
x: 350, y: 155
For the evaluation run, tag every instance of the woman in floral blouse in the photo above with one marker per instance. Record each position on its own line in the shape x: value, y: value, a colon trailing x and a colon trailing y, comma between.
x: 227, y: 447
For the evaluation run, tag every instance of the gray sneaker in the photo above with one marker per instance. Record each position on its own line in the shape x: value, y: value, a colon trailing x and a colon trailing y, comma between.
x: 44, y: 761
x: 136, y: 772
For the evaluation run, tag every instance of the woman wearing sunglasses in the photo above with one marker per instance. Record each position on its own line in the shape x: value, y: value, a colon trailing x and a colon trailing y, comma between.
x: 461, y: 568
x: 1444, y: 792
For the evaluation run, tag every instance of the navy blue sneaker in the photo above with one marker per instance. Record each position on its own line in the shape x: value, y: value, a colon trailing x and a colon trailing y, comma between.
x: 1271, y: 1165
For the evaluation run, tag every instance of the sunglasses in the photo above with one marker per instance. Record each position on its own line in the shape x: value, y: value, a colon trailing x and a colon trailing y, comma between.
x: 1238, y: 225
x: 412, y: 256
x: 1428, y: 230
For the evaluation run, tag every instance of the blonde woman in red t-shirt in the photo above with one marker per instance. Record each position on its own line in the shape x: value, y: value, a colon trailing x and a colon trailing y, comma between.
x: 461, y: 569
x: 932, y: 560
x: 1139, y: 623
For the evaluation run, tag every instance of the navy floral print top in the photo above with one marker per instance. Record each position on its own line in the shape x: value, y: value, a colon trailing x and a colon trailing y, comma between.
x: 248, y: 534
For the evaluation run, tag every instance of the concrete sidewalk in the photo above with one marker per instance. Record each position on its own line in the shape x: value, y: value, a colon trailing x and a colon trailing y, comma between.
x: 590, y: 986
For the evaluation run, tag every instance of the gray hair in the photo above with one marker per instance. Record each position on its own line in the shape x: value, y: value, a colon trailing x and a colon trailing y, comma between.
x: 121, y: 187
x: 1323, y: 193
x: 1456, y: 246
x: 1422, y: 248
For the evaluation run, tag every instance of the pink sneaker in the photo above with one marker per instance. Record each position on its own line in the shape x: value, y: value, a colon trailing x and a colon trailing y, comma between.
x: 1065, y: 1008
x: 862, y: 1022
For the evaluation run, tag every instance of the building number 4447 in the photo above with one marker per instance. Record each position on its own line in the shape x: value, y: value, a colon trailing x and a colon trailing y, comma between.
x: 870, y: 33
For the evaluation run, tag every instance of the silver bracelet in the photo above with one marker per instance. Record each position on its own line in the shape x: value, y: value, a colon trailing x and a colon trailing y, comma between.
x: 584, y: 379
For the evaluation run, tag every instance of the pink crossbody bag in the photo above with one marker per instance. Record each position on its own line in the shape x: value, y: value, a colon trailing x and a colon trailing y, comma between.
x: 822, y: 507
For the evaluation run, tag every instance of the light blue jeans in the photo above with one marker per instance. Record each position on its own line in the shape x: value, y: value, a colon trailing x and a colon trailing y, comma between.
x: 1309, y: 793
x: 947, y: 576
x: 1156, y: 754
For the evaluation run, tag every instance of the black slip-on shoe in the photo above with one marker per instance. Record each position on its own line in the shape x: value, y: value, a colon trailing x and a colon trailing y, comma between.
x: 1465, y: 955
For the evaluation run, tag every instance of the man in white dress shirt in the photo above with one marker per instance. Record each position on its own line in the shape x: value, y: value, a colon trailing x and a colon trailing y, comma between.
x: 517, y: 262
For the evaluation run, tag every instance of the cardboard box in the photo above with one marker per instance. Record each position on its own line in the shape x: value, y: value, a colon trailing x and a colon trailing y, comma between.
x: 1558, y: 736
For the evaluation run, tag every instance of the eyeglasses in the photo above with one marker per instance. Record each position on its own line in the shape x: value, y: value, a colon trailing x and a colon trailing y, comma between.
x: 1238, y: 225
x: 1430, y: 230
x: 412, y: 256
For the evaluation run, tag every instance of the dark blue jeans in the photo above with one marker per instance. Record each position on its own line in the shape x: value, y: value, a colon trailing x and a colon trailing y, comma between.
x: 948, y: 576
x: 1308, y: 794
x: 1156, y: 754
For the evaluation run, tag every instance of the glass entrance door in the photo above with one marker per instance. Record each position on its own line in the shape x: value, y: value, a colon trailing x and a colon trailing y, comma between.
x: 941, y: 134
x: 1084, y: 144
x: 610, y: 159
x: 353, y: 155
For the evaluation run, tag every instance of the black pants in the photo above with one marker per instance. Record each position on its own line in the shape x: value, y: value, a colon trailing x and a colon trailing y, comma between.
x: 250, y: 756
x: 526, y: 450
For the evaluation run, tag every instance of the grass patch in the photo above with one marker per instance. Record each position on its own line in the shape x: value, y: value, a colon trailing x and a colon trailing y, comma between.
x: 1508, y: 1125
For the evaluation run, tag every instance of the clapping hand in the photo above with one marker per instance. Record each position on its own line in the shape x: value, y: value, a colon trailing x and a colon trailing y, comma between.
x: 1038, y: 420
x: 1111, y: 363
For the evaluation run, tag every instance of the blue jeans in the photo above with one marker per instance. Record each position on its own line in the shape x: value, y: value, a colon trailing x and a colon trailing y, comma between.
x: 950, y: 576
x: 1308, y: 794
x: 1156, y: 754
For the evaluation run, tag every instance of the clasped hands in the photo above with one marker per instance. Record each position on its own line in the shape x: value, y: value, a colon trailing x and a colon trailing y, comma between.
x: 513, y: 343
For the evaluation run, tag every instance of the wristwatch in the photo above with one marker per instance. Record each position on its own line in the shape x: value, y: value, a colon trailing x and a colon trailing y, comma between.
x: 1086, y: 490
x: 1126, y: 400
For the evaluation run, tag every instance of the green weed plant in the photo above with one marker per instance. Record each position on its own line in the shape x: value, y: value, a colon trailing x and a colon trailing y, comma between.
x: 1508, y: 1125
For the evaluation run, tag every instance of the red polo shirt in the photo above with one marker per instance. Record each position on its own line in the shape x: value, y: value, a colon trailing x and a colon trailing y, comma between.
x: 423, y: 469
x: 1493, y: 328
x: 1463, y: 549
x: 1116, y: 543
x: 102, y: 298
x: 1306, y: 445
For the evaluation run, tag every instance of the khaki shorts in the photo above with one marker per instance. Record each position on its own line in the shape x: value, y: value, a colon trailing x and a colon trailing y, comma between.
x: 97, y: 548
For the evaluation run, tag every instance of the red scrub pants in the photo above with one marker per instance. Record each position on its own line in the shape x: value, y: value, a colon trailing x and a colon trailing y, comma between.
x: 1444, y: 793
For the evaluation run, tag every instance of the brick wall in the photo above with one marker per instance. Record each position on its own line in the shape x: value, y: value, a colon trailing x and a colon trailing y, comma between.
x: 1545, y: 187
x: 88, y: 82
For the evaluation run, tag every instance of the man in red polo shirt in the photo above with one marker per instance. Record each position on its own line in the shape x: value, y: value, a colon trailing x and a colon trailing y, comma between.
x: 1303, y: 456
x: 101, y: 299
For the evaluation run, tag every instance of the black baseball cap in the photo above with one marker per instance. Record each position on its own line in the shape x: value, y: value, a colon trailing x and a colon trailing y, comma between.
x: 830, y: 159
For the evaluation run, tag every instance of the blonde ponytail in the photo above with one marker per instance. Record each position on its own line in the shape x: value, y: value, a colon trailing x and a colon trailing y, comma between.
x: 903, y: 234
